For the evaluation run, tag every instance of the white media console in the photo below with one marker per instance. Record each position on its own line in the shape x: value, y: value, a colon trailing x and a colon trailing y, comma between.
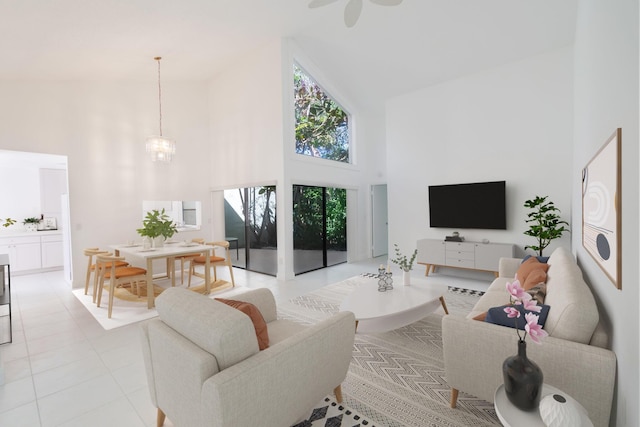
x: 469, y: 255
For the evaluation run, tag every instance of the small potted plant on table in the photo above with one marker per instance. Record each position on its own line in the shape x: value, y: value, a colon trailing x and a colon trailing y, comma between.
x: 405, y: 263
x: 157, y: 226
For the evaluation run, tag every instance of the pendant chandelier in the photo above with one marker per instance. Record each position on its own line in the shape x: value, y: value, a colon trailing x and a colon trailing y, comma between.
x: 160, y: 148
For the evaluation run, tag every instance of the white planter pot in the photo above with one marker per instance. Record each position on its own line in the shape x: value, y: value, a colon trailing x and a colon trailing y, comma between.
x: 406, y: 277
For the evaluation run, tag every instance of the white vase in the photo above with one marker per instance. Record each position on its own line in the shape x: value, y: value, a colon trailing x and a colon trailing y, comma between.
x: 158, y: 242
x: 406, y: 277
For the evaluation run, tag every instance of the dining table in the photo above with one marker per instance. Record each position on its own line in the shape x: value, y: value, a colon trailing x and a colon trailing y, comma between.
x: 169, y: 251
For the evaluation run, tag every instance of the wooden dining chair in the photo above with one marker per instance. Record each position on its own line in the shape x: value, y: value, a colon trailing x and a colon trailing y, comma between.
x: 118, y: 276
x: 184, y: 259
x: 91, y: 268
x: 214, y: 261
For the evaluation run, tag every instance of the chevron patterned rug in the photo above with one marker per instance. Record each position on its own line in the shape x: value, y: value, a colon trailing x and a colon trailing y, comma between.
x: 396, y: 378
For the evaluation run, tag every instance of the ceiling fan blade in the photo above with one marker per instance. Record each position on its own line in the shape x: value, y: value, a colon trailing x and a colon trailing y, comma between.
x: 319, y: 3
x: 352, y: 12
x: 387, y: 2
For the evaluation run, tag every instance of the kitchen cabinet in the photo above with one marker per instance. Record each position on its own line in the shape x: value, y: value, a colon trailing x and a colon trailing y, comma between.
x: 51, y: 250
x: 24, y: 252
x: 33, y: 251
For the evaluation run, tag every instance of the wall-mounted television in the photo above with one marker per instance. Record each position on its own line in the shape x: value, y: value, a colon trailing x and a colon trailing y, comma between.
x: 480, y: 205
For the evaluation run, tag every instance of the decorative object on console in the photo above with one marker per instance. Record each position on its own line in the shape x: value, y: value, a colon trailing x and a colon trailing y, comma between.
x: 545, y: 223
x: 157, y: 224
x: 522, y: 377
x: 601, y: 208
x: 160, y: 148
x: 31, y: 224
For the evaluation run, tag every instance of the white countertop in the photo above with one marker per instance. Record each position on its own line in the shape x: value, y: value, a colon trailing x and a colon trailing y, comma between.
x: 24, y: 233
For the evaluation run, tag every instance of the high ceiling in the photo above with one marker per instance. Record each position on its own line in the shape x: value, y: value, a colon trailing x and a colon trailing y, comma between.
x: 391, y: 50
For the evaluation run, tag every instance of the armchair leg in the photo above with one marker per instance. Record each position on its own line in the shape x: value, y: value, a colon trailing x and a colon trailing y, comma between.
x: 454, y: 397
x: 161, y: 417
x: 338, y: 392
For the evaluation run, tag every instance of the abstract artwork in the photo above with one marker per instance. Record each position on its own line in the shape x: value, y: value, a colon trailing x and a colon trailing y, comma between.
x: 601, y: 203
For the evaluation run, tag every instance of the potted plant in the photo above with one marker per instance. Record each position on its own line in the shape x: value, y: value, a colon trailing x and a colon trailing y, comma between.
x: 157, y: 224
x: 31, y: 224
x: 404, y: 263
x: 544, y: 223
x: 8, y: 222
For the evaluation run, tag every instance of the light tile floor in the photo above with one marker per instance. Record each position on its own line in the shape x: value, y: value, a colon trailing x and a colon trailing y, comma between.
x: 64, y: 369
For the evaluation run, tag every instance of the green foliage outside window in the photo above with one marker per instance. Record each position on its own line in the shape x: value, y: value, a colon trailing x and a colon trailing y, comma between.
x: 322, y: 126
x: 307, y: 218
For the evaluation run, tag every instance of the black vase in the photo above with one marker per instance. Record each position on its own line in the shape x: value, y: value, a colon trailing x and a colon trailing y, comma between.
x: 522, y: 380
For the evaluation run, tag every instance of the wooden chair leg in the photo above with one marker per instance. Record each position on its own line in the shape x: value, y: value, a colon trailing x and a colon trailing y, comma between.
x: 454, y: 397
x: 161, y: 418
x: 233, y: 282
x: 338, y: 392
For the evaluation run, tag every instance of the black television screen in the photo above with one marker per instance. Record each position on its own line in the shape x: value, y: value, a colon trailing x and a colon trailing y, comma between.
x: 479, y: 205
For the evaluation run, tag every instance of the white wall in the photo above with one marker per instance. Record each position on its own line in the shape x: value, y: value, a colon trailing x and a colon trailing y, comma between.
x: 510, y: 123
x: 251, y: 115
x: 606, y: 97
x: 101, y: 127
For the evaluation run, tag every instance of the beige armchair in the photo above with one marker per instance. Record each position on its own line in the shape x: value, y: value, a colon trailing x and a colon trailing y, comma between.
x: 204, y: 367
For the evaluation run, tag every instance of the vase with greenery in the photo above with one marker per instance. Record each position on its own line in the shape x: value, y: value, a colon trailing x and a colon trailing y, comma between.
x: 31, y: 223
x: 405, y: 263
x: 8, y: 222
x: 544, y: 222
x: 157, y: 224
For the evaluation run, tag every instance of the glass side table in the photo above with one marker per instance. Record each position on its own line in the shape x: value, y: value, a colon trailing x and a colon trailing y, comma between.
x: 510, y: 416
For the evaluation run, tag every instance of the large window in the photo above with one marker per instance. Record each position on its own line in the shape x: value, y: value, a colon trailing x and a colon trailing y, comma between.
x: 322, y: 126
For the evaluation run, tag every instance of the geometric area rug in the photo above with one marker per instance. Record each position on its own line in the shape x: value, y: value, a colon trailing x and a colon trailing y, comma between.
x: 395, y: 378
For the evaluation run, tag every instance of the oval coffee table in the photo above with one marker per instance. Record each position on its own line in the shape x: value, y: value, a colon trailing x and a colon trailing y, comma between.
x: 385, y: 311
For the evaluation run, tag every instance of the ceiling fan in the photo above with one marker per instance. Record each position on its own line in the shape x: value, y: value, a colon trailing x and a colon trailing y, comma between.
x: 353, y: 8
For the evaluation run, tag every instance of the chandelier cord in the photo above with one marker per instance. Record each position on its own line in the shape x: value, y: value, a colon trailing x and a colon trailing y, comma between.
x: 159, y: 94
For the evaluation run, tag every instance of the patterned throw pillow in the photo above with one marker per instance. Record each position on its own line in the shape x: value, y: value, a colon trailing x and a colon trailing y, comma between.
x: 538, y: 292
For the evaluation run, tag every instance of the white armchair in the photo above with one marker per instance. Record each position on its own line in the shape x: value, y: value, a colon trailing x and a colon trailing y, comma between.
x: 204, y: 367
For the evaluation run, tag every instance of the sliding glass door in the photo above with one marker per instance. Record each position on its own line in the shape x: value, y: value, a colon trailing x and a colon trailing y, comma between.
x: 319, y: 227
x: 250, y: 227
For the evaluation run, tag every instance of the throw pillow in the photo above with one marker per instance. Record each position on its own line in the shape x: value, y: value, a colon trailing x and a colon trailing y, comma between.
x: 497, y: 316
x: 538, y: 292
x: 534, y: 278
x: 256, y: 317
x: 481, y: 316
x: 528, y: 266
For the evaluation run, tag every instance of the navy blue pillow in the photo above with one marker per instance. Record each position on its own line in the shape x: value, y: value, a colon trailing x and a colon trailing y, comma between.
x: 542, y: 259
x: 497, y: 316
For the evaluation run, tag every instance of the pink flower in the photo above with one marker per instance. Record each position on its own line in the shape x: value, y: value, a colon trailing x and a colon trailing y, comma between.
x: 512, y: 312
x: 533, y: 329
x: 516, y: 291
x: 531, y: 305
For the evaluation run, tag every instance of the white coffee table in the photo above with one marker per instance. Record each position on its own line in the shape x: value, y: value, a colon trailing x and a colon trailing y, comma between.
x: 385, y: 311
x: 509, y: 415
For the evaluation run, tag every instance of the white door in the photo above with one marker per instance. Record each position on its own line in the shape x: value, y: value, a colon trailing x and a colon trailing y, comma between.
x: 379, y: 220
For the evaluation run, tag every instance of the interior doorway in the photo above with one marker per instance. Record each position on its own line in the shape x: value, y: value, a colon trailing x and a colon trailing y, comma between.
x: 319, y: 227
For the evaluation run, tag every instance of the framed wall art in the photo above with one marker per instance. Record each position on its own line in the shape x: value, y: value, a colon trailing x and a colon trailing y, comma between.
x: 601, y: 204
